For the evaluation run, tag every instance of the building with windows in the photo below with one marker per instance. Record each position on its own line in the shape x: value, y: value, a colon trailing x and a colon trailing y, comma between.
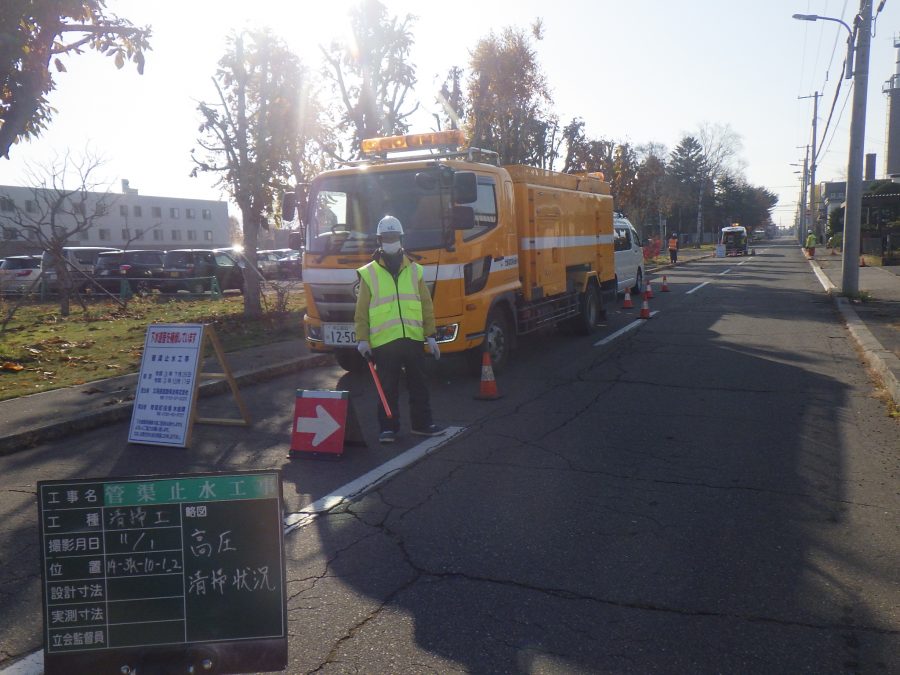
x: 129, y: 220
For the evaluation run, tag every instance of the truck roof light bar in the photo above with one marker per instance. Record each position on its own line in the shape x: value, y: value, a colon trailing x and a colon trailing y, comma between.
x: 451, y: 139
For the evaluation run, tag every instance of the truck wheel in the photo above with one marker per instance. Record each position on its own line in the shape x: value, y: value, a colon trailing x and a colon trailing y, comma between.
x: 497, y: 341
x: 591, y: 310
x: 350, y: 360
x: 638, y: 287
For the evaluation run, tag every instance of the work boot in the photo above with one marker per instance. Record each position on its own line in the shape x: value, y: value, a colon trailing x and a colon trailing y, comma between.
x: 387, y: 437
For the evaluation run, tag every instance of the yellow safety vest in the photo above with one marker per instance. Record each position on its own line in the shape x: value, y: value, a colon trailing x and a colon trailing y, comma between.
x: 811, y: 241
x: 395, y: 310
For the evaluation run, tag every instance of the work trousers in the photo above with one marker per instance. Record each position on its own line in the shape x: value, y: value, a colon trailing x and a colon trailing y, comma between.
x: 390, y: 360
x: 673, y: 255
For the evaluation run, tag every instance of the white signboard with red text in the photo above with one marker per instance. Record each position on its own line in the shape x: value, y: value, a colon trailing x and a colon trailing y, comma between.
x: 319, y: 422
x: 167, y: 385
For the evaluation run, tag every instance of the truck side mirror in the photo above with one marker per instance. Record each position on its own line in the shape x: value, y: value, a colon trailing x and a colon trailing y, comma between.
x: 288, y: 205
x: 463, y: 217
x: 465, y: 187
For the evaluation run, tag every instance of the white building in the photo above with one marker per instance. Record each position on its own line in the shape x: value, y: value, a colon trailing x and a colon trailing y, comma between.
x: 132, y: 221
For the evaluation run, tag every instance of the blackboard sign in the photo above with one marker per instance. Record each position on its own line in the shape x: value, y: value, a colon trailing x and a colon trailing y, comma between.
x: 161, y: 573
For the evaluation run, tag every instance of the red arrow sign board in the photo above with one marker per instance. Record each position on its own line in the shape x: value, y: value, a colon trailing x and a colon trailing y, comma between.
x: 319, y: 421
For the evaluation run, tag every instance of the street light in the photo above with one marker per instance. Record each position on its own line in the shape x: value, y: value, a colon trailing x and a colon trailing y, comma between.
x: 848, y: 73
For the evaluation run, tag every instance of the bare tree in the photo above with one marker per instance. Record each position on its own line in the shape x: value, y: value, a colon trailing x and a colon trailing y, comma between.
x: 59, y: 214
x: 510, y: 102
x: 373, y: 75
x: 252, y: 136
x: 720, y: 145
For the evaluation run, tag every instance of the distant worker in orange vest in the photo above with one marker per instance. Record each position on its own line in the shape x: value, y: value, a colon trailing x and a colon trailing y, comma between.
x: 673, y: 247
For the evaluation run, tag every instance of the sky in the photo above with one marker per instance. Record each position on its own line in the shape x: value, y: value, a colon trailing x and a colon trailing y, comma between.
x: 638, y: 71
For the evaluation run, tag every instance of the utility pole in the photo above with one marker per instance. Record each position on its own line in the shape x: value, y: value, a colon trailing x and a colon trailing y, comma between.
x: 853, y: 207
x: 814, y: 211
x: 801, y: 218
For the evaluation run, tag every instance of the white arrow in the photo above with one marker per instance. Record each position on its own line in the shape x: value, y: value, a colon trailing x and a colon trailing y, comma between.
x: 322, y: 425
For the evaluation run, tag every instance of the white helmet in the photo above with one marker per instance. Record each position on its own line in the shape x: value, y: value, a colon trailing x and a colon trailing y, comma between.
x: 389, y: 224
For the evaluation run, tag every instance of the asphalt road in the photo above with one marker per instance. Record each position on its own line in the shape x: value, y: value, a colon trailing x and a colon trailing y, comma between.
x: 713, y: 491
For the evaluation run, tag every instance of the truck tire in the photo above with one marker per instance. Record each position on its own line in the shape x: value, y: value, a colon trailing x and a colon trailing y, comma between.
x: 497, y: 341
x: 350, y: 360
x: 591, y: 311
x: 638, y: 287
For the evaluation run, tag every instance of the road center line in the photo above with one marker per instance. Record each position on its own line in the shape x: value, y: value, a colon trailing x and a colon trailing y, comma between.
x: 355, y: 488
x: 697, y: 288
x: 725, y: 272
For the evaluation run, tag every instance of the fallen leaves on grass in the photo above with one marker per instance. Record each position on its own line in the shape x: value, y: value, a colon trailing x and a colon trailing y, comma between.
x: 12, y: 367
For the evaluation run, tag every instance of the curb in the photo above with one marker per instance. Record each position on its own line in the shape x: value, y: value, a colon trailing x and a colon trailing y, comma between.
x: 120, y: 411
x: 883, y: 362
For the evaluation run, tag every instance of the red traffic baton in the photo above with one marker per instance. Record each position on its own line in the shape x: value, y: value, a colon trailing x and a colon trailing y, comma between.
x: 384, y: 403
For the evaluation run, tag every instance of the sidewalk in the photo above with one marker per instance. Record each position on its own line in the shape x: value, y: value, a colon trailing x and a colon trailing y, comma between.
x: 29, y: 420
x: 875, y: 323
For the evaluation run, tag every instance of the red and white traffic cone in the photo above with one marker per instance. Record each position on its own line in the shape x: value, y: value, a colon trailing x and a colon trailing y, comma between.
x: 649, y: 292
x: 626, y: 303
x: 645, y: 308
x: 665, y: 286
x: 487, y: 390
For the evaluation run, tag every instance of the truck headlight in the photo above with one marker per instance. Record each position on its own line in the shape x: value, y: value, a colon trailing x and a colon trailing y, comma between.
x: 446, y: 333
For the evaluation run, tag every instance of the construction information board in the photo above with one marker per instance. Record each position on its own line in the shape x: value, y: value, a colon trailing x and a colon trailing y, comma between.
x: 167, y: 385
x: 163, y: 572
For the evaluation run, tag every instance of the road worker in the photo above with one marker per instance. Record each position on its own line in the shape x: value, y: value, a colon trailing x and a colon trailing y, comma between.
x: 811, y: 242
x: 394, y: 317
x: 673, y: 248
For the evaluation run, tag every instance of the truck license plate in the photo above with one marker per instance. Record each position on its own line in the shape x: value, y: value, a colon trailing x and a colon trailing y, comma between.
x: 340, y: 334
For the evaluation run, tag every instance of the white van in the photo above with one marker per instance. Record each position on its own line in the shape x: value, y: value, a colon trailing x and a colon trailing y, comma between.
x: 82, y: 258
x: 629, y: 256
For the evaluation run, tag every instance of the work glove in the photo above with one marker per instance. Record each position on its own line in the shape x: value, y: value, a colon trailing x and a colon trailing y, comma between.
x: 365, y: 350
x: 433, y: 348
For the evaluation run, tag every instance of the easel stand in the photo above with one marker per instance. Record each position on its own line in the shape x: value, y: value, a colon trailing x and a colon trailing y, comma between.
x: 210, y: 335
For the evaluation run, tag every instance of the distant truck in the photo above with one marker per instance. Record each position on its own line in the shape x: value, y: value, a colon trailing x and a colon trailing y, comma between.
x: 506, y: 250
x: 734, y: 239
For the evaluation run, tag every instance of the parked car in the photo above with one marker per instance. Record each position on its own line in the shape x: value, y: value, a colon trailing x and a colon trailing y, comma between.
x: 143, y: 269
x: 629, y: 256
x: 267, y: 263
x: 17, y: 272
x: 77, y: 259
x: 291, y: 266
x: 287, y: 262
x: 191, y: 269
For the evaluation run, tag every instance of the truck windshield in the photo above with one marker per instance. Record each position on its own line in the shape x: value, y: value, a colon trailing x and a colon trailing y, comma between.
x: 344, y: 210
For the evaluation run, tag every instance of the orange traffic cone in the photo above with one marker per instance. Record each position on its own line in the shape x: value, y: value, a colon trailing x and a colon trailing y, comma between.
x: 626, y: 303
x: 488, y: 389
x: 862, y: 261
x: 645, y: 308
x: 649, y: 292
x: 665, y: 286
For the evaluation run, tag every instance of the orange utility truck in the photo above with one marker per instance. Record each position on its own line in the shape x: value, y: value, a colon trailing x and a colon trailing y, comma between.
x: 506, y: 250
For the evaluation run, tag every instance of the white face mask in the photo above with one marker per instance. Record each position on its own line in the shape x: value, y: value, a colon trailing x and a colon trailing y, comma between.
x: 391, y: 247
